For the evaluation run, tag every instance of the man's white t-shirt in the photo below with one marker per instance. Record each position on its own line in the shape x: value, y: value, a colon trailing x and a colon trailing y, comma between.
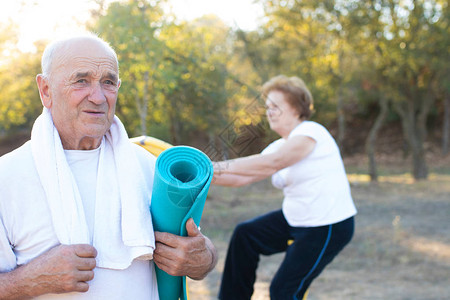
x: 84, y: 167
x: 26, y: 229
x: 316, y: 189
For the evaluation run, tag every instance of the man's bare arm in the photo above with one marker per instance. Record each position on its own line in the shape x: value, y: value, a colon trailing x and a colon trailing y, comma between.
x: 62, y: 269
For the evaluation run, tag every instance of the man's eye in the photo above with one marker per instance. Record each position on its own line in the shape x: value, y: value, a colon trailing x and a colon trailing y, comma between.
x: 109, y: 82
x: 81, y: 81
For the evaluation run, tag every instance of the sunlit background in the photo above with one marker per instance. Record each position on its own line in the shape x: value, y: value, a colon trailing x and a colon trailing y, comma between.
x: 48, y: 19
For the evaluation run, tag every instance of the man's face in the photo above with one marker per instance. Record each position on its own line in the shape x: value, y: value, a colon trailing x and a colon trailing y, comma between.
x: 82, y: 89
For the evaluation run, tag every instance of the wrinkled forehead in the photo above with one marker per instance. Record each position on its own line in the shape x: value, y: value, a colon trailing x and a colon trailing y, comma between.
x: 85, y: 53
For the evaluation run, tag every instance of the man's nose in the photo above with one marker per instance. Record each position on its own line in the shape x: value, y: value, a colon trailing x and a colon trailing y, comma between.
x: 97, y: 95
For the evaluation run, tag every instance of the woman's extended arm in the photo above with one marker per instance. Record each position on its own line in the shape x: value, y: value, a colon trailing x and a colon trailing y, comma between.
x: 233, y: 179
x: 245, y: 170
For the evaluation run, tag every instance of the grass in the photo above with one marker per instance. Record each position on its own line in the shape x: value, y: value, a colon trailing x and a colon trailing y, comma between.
x: 401, y: 247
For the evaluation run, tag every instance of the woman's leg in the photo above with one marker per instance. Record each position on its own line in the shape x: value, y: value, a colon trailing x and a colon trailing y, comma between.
x: 267, y: 234
x: 306, y: 258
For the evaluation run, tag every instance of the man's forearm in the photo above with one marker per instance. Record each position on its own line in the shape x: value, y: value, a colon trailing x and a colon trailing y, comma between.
x: 62, y: 269
x: 13, y: 285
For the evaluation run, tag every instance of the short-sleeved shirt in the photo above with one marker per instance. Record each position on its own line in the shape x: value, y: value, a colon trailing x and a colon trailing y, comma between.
x: 316, y: 189
x: 26, y: 230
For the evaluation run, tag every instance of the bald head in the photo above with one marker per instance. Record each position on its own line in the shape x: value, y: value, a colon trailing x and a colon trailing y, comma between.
x: 57, y: 52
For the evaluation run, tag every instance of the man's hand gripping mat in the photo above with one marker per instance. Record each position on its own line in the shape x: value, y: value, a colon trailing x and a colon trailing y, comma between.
x: 182, y: 179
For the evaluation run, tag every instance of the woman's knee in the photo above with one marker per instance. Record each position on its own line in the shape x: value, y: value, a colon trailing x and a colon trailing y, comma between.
x: 242, y: 230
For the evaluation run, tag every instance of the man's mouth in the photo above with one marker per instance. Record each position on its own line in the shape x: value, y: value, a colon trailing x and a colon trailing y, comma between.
x: 94, y: 112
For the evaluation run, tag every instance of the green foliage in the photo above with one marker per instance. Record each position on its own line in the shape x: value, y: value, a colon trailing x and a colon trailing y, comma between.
x: 186, y: 82
x: 194, y: 77
x: 173, y: 75
x: 130, y: 27
x: 19, y: 96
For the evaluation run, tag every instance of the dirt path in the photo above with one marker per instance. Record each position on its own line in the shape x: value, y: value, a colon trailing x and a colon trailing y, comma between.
x: 401, y: 247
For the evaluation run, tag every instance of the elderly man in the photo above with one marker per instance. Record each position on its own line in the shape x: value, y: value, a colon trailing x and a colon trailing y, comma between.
x: 74, y: 201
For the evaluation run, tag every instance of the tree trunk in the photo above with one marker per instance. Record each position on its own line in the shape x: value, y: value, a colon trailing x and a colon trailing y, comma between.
x: 446, y: 126
x: 144, y: 105
x: 341, y: 119
x: 420, y: 166
x: 255, y: 57
x: 216, y: 149
x: 414, y: 130
x: 372, y: 137
x: 174, y: 123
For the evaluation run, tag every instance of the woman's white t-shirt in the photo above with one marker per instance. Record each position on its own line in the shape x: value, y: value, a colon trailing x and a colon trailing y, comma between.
x: 316, y: 189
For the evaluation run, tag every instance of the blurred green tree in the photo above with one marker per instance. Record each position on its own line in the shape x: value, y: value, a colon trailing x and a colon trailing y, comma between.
x: 410, y: 47
x: 401, y: 44
x: 131, y: 28
x: 173, y: 73
x: 19, y: 96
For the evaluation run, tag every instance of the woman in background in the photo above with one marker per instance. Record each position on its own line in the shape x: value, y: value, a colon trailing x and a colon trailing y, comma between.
x: 317, y: 211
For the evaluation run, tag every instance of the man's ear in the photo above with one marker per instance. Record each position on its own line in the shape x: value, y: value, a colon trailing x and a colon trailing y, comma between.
x: 44, y: 90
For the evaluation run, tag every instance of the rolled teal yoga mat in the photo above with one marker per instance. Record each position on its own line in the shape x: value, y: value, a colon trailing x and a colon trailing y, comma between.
x: 182, y: 179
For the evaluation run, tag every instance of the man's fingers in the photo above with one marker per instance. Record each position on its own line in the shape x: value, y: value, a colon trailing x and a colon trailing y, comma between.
x: 86, y: 264
x: 173, y: 240
x: 168, y: 265
x: 166, y: 238
x: 85, y: 276
x: 85, y: 250
x: 191, y: 228
x: 163, y: 250
x: 81, y: 287
x: 162, y: 266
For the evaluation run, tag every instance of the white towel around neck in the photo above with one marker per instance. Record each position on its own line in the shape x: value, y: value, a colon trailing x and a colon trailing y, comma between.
x: 123, y: 227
